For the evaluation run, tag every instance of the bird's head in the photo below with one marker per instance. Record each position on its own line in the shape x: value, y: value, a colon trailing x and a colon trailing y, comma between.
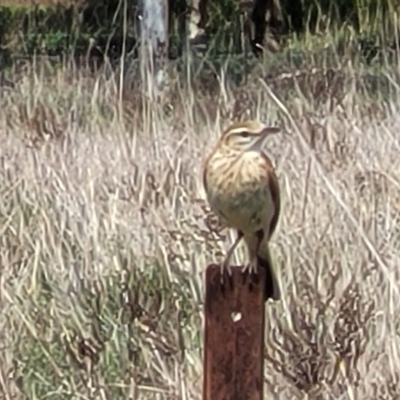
x: 247, y: 135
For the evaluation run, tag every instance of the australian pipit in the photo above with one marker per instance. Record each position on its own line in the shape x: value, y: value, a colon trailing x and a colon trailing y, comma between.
x: 243, y: 190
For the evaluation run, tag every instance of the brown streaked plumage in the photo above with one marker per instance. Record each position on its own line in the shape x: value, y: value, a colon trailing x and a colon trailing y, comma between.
x: 243, y: 190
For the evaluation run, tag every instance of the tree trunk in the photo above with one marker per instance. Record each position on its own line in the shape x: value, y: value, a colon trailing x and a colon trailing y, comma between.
x: 154, y: 44
x: 196, y: 20
x: 259, y: 18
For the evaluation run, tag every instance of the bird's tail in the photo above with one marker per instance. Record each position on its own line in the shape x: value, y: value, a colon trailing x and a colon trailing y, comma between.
x: 272, y: 289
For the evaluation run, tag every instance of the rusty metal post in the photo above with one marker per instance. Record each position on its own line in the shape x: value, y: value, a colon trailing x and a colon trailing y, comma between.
x: 234, y: 336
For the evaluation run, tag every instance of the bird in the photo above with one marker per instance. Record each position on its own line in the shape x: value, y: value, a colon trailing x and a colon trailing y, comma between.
x: 242, y: 189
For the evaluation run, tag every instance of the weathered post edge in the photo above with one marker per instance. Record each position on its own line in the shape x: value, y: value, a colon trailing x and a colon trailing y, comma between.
x: 233, y: 335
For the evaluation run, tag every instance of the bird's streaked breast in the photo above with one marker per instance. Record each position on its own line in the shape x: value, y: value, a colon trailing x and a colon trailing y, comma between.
x: 237, y: 189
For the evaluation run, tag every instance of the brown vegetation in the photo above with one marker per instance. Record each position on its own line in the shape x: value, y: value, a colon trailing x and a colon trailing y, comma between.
x: 105, y: 235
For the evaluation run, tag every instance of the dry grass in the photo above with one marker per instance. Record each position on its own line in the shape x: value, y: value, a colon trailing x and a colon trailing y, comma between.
x: 104, y: 238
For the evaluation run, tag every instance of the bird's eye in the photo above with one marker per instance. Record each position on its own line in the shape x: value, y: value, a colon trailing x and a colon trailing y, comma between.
x: 245, y: 134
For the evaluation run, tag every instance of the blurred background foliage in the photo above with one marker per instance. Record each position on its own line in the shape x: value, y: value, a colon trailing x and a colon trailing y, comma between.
x: 56, y: 27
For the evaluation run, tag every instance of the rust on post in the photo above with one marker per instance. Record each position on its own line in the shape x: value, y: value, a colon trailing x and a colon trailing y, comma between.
x: 234, y: 336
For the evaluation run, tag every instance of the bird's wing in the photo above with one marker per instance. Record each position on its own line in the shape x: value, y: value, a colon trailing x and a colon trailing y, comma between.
x: 273, y: 185
x: 204, y: 172
x: 204, y: 168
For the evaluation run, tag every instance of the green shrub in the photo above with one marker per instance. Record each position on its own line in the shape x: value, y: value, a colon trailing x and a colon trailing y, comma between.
x: 58, y: 29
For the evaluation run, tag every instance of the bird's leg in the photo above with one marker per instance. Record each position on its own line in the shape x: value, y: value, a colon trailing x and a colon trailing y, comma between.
x: 252, y: 267
x: 225, y: 264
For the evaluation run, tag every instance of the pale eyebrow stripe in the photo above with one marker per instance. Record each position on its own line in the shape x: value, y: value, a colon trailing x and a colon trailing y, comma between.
x: 239, y: 130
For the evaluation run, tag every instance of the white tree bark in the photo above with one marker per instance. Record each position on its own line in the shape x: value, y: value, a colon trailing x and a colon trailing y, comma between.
x: 154, y: 44
x: 195, y: 17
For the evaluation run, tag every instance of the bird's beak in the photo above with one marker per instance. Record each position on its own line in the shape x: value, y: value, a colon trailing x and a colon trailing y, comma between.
x: 266, y: 131
x: 270, y: 130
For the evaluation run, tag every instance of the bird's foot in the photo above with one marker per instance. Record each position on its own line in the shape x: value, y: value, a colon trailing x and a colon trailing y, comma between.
x: 250, y: 271
x: 251, y: 268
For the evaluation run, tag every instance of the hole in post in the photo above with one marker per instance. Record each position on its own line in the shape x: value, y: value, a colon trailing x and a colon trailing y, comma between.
x: 236, y: 316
